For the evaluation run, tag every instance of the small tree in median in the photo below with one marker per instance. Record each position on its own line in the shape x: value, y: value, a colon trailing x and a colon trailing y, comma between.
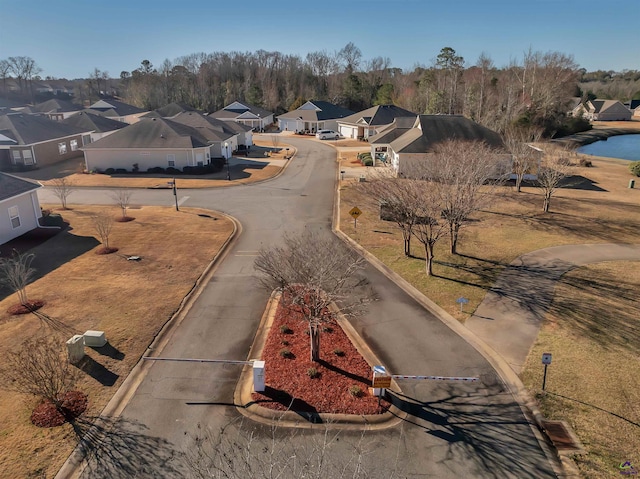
x: 554, y: 169
x: 312, y: 272
x: 62, y: 188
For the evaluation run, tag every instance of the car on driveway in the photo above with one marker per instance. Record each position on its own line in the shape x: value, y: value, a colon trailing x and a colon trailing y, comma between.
x: 327, y: 135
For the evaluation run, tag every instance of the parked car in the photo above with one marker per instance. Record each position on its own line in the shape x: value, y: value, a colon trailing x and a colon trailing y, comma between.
x: 327, y: 135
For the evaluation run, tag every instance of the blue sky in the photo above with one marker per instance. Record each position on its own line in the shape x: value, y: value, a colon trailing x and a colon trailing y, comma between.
x: 70, y: 38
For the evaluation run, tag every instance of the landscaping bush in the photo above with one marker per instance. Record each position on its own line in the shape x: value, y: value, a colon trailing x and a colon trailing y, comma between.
x: 286, y: 353
x: 367, y: 162
x: 355, y: 391
x: 284, y: 329
x: 634, y: 168
x: 173, y: 171
x: 313, y: 373
x: 120, y: 171
x: 338, y: 352
x: 586, y: 163
x: 155, y: 170
x: 109, y: 171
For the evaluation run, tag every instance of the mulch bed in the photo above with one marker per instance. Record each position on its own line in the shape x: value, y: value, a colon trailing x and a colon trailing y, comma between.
x: 74, y: 403
x: 124, y: 219
x: 104, y: 250
x: 289, y: 386
x: 29, y: 307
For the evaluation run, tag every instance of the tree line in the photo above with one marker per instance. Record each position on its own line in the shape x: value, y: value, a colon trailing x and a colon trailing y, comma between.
x: 533, y: 90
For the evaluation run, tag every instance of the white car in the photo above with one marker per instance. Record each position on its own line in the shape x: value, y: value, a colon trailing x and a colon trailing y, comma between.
x: 327, y: 135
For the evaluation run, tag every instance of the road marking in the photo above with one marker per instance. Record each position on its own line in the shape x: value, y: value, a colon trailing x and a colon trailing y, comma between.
x: 182, y: 200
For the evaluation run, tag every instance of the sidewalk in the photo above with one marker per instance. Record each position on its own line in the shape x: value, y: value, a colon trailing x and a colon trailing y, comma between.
x: 510, y: 316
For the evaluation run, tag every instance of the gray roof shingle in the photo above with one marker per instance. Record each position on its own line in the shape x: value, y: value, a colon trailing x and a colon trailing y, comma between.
x: 30, y: 129
x: 92, y: 122
x: 379, y: 115
x: 324, y: 111
x: 11, y: 186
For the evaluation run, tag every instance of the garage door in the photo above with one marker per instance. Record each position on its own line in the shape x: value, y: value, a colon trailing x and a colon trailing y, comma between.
x: 346, y: 131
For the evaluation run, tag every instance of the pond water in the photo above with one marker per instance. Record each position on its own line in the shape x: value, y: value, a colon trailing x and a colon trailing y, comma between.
x: 625, y: 147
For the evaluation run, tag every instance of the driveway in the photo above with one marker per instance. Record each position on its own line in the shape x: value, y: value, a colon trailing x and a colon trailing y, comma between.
x: 453, y: 429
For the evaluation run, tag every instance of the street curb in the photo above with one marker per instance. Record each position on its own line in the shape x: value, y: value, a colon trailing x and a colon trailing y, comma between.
x: 245, y: 405
x: 563, y: 466
x: 75, y: 465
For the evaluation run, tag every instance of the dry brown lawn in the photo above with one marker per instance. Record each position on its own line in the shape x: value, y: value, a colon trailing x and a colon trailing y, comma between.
x: 129, y: 300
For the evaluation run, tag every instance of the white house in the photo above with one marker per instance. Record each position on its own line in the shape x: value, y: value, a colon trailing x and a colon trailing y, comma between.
x: 255, y: 117
x: 313, y: 116
x: 19, y: 207
x: 371, y: 121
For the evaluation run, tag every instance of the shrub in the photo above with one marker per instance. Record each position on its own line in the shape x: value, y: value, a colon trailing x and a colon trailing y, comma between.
x: 286, y: 353
x: 338, y: 352
x: 585, y: 163
x: 367, y: 162
x: 355, y: 391
x: 284, y: 342
x: 313, y: 373
x: 173, y: 171
x: 327, y: 329
x: 109, y: 171
x: 135, y: 168
x: 156, y: 170
x: 120, y: 171
x: 634, y: 168
x: 284, y: 329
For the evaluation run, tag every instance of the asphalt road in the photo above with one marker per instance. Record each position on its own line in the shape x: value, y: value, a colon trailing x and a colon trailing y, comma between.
x: 453, y: 429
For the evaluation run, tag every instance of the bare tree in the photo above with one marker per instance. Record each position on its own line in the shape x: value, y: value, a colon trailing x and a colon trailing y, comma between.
x: 103, y: 224
x: 62, y: 188
x: 122, y: 197
x: 313, y: 272
x: 463, y: 175
x: 430, y: 227
x: 39, y: 368
x: 16, y: 272
x: 524, y: 157
x: 555, y: 168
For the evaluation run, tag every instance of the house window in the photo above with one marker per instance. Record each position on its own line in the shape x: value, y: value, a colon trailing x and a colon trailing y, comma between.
x: 171, y: 160
x: 62, y: 148
x: 28, y: 157
x: 17, y: 157
x: 74, y: 145
x: 86, y: 139
x: 14, y: 216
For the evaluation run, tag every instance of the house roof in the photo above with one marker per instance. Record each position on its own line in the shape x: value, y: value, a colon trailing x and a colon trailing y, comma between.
x: 152, y: 133
x: 211, y: 128
x: 238, y: 110
x: 429, y: 130
x: 172, y: 109
x: 11, y: 186
x: 112, y: 107
x: 316, y: 110
x: 397, y: 128
x: 378, y: 115
x: 633, y: 104
x: 30, y: 129
x: 92, y: 122
x: 55, y: 106
x: 600, y: 106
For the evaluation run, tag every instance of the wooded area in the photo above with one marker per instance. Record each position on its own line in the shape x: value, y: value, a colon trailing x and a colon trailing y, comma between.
x: 533, y: 90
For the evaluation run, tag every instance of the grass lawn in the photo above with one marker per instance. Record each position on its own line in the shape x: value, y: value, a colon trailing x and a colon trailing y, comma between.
x: 593, y: 328
x: 128, y: 300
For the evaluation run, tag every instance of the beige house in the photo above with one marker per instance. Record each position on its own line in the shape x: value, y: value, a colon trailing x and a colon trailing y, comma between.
x: 19, y: 207
x: 606, y: 110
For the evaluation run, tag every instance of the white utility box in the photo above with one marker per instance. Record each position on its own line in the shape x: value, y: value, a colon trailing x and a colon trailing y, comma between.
x: 75, y: 348
x: 258, y: 376
x: 95, y: 339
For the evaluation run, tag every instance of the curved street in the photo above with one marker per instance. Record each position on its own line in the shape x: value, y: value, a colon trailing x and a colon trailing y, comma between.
x: 452, y: 430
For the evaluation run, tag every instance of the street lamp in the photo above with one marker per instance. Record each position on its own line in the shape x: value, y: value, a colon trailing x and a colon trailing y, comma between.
x: 226, y: 150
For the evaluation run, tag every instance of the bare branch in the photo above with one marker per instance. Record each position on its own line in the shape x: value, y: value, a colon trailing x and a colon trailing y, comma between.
x: 103, y: 224
x: 122, y: 198
x: 62, y: 188
x: 16, y: 272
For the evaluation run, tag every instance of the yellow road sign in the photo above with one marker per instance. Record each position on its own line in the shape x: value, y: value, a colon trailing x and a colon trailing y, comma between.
x: 355, y: 212
x: 382, y: 382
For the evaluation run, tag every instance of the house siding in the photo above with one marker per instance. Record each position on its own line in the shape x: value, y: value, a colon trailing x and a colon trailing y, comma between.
x: 48, y: 154
x: 28, y: 214
x: 97, y: 159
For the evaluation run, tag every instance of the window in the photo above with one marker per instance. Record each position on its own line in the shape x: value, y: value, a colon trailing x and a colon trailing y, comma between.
x: 28, y: 157
x: 62, y: 148
x: 14, y: 216
x: 171, y: 160
x: 86, y: 139
x: 17, y: 157
x: 74, y: 145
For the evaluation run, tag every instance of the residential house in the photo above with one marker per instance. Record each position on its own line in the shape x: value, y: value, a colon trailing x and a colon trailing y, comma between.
x: 55, y: 109
x: 149, y: 143
x: 173, y: 109
x: 634, y: 106
x: 97, y: 126
x: 404, y: 146
x: 606, y: 110
x: 19, y: 207
x: 371, y: 121
x: 575, y: 107
x: 223, y: 139
x: 117, y: 110
x: 255, y: 117
x: 313, y: 116
x: 29, y: 141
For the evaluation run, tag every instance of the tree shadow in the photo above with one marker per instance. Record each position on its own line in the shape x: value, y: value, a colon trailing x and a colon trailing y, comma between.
x: 300, y: 407
x: 483, y: 426
x: 578, y: 182
x: 97, y: 371
x: 355, y: 377
x: 595, y: 407
x: 117, y: 448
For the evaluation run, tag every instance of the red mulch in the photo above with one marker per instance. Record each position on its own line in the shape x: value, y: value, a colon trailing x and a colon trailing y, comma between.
x: 124, y: 219
x: 25, y: 308
x: 45, y: 414
x: 103, y: 250
x: 287, y: 379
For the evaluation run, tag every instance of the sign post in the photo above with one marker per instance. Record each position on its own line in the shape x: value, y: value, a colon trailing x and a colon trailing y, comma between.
x: 462, y: 301
x: 173, y: 186
x: 381, y: 381
x: 355, y: 213
x: 546, y: 360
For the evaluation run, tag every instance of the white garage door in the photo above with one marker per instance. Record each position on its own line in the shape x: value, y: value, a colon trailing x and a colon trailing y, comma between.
x: 347, y: 131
